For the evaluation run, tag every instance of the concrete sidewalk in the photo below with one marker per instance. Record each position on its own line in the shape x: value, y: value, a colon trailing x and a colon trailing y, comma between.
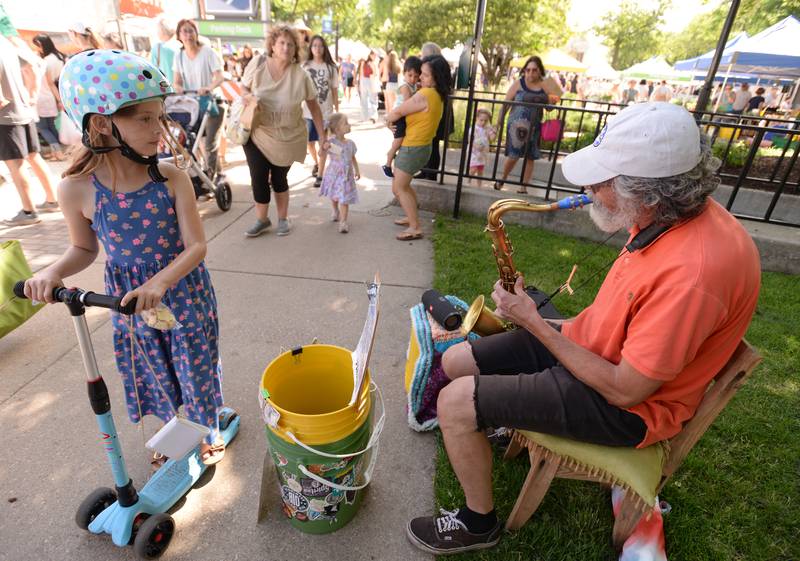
x: 273, y: 293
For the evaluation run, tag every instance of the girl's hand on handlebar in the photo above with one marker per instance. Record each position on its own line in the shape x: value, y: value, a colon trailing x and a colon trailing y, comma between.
x: 40, y: 288
x: 147, y: 296
x: 203, y: 91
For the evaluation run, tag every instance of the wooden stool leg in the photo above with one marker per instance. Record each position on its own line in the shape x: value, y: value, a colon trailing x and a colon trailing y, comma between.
x: 514, y: 448
x: 534, y: 489
x: 631, y: 511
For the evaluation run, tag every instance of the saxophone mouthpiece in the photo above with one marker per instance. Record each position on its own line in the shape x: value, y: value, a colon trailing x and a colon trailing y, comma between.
x: 574, y: 201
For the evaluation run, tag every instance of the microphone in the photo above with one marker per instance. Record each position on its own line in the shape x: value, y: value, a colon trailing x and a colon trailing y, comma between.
x: 445, y: 313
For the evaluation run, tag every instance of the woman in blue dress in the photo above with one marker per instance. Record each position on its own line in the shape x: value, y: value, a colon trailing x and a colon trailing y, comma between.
x: 144, y: 214
x: 524, y: 121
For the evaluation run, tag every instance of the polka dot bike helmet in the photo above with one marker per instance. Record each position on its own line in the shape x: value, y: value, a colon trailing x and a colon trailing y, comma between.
x: 101, y: 82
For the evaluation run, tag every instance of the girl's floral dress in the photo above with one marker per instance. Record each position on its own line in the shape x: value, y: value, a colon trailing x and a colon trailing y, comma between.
x: 140, y: 234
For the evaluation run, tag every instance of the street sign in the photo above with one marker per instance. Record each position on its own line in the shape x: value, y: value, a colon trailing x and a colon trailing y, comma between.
x: 243, y: 29
x: 327, y: 24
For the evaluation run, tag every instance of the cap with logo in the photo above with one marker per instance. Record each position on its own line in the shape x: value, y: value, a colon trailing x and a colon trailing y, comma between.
x: 653, y: 139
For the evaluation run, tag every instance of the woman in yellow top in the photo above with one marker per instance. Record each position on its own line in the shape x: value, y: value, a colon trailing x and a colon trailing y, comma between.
x: 279, y: 134
x: 422, y: 112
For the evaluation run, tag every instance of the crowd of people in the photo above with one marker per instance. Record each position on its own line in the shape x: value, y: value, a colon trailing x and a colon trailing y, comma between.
x: 625, y: 372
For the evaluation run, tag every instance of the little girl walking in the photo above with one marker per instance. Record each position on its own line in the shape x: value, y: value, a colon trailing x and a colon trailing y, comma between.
x: 144, y: 214
x: 341, y: 171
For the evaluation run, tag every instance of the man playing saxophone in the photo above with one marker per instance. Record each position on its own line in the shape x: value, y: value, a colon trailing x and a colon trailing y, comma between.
x: 633, y: 366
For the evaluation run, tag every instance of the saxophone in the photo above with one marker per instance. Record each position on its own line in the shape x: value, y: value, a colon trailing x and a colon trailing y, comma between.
x: 479, y: 318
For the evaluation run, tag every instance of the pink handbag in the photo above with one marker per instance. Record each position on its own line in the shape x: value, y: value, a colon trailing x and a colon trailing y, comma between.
x: 551, y: 130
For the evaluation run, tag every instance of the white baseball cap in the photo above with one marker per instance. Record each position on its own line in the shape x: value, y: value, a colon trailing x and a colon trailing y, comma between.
x: 655, y: 139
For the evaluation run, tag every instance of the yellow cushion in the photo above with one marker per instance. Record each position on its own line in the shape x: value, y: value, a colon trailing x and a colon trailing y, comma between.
x: 638, y: 468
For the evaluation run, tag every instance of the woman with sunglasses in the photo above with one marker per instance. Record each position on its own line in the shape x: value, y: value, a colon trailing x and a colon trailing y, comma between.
x: 524, y: 121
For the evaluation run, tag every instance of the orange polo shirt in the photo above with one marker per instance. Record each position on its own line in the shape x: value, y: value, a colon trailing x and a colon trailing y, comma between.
x: 676, y: 311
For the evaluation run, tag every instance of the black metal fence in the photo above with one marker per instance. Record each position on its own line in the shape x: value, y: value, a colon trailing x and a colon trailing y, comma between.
x: 760, y: 176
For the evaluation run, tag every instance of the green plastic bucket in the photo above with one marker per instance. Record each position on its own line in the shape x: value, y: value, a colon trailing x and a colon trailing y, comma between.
x: 324, y: 449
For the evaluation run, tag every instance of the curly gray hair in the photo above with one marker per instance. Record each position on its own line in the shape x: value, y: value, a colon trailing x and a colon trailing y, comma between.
x: 678, y: 197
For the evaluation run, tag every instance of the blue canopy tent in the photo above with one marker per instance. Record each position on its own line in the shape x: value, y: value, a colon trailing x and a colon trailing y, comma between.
x: 702, y: 62
x: 772, y: 52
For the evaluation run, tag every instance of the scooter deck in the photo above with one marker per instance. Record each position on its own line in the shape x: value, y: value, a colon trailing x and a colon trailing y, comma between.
x: 171, y: 482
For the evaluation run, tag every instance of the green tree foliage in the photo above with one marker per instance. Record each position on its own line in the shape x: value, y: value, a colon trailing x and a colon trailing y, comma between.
x: 702, y: 33
x: 631, y: 33
x: 512, y: 27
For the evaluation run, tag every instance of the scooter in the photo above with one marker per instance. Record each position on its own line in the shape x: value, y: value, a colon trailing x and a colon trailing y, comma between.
x: 131, y: 517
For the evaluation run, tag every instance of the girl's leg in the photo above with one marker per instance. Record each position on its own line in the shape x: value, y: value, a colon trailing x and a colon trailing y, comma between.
x: 389, y: 98
x: 19, y: 175
x: 47, y: 128
x: 312, y: 150
x: 334, y: 210
x: 401, y: 187
x: 526, y: 175
x: 363, y: 97
x: 42, y: 171
x: 344, y: 227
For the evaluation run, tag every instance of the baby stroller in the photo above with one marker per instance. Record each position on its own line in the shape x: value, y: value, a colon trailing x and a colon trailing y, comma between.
x: 189, y: 115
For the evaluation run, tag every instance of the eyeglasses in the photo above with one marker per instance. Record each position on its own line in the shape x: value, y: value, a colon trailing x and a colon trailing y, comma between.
x: 597, y: 186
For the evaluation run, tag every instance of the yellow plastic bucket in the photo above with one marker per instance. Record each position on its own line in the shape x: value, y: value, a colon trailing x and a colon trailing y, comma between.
x: 324, y: 449
x: 310, y: 388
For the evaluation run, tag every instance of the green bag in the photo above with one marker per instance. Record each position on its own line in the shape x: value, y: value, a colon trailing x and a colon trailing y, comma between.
x: 14, y: 311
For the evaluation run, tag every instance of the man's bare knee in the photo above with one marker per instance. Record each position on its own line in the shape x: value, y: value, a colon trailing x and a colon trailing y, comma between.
x: 455, y: 405
x: 457, y: 361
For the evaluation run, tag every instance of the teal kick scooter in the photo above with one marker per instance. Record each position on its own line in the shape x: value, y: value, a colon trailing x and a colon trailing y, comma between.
x: 131, y: 517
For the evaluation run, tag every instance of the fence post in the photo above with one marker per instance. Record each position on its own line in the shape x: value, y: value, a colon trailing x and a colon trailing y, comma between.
x: 476, y: 49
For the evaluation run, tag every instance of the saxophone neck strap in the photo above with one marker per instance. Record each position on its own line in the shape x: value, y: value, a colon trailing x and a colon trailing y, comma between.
x: 646, y: 236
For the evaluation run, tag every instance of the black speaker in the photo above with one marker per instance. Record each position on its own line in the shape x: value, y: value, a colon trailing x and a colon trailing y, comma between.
x: 445, y: 313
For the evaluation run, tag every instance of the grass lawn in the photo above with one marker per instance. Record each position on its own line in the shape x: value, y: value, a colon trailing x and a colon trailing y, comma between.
x: 737, y: 495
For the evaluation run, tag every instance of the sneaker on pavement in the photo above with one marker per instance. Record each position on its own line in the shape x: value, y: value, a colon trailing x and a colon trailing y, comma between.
x: 317, y: 182
x: 258, y: 228
x: 283, y: 227
x: 343, y: 227
x: 335, y: 215
x: 315, y: 171
x: 447, y: 535
x: 387, y: 171
x: 23, y: 219
x: 48, y: 207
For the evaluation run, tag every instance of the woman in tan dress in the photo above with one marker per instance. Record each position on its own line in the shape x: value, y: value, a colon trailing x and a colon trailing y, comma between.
x: 278, y: 136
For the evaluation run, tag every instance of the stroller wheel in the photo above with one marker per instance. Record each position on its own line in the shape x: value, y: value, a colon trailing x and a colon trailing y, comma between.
x: 223, y: 195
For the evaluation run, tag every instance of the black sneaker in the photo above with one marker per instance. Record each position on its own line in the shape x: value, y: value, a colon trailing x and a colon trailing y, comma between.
x: 318, y: 182
x: 387, y: 171
x: 447, y: 535
x: 315, y: 171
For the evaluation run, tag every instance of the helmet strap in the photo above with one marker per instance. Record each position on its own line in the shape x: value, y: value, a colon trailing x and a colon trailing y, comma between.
x: 150, y: 161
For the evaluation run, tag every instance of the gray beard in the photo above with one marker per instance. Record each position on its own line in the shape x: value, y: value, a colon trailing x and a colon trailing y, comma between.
x: 610, y: 221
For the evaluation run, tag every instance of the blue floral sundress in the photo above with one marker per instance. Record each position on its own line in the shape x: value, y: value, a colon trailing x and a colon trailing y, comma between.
x: 140, y: 233
x: 525, y: 123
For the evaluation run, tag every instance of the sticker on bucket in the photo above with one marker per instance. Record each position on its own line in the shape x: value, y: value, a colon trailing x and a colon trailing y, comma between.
x: 323, y: 487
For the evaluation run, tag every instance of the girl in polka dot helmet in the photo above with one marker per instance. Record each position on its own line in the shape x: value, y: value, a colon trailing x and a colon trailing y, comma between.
x: 103, y: 82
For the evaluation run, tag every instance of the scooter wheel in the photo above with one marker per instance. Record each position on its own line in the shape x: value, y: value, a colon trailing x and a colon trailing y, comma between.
x: 99, y: 500
x: 223, y: 195
x: 227, y: 418
x: 154, y: 536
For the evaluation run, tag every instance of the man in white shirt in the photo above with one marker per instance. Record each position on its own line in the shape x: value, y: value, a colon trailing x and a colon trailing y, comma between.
x: 743, y: 96
x: 662, y: 93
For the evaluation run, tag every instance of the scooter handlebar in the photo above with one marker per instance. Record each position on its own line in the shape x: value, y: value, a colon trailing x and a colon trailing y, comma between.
x: 87, y: 298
